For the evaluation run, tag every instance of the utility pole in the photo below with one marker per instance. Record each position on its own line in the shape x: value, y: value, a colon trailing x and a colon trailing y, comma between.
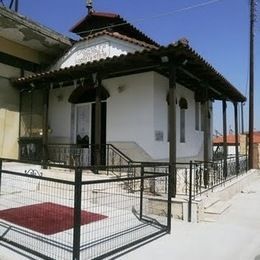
x: 16, y: 5
x: 251, y: 84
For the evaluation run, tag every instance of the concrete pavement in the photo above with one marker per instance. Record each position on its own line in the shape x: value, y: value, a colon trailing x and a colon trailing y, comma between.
x: 235, y: 235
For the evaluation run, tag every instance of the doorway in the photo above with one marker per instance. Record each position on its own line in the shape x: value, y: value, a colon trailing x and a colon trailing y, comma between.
x: 85, y: 130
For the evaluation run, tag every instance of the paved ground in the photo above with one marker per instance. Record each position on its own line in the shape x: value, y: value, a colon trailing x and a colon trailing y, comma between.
x: 235, y: 236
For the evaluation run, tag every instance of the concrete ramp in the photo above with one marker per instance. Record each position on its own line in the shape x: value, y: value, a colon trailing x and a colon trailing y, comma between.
x: 133, y: 151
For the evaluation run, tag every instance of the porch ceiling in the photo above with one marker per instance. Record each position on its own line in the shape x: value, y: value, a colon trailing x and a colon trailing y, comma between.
x: 193, y: 71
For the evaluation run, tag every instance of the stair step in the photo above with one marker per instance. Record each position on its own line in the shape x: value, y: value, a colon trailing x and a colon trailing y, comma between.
x: 217, y: 208
x: 210, y: 218
x: 213, y: 212
x: 210, y: 202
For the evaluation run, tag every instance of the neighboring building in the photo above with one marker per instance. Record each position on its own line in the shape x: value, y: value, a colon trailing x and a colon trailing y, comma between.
x: 244, y: 142
x: 116, y: 85
x: 25, y: 48
x: 218, y: 143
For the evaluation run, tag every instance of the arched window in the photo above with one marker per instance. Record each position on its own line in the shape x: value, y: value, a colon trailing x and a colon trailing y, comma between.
x: 183, y: 106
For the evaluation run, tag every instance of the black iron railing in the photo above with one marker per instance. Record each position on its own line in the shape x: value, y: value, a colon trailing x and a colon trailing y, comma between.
x: 85, y: 155
x: 211, y: 174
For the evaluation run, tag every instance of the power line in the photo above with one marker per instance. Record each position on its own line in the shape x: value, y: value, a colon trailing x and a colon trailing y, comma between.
x: 181, y: 10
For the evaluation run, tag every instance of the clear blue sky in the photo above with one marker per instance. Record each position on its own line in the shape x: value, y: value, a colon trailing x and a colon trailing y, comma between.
x: 219, y: 32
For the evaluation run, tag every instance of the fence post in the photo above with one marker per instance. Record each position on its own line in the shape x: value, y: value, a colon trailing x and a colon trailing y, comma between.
x: 107, y: 157
x: 141, y: 191
x: 190, y: 194
x: 1, y: 165
x: 170, y: 195
x: 77, y: 213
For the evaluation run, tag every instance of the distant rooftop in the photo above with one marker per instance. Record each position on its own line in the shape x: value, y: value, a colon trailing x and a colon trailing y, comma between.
x: 218, y: 140
x: 21, y: 29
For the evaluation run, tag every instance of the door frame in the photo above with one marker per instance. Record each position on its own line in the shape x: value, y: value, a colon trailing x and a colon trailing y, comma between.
x: 76, y: 121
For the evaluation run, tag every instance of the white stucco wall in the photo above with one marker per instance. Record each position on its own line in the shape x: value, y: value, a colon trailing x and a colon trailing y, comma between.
x: 160, y: 116
x: 95, y: 49
x: 9, y: 112
x: 194, y: 139
x: 130, y: 110
x: 136, y: 111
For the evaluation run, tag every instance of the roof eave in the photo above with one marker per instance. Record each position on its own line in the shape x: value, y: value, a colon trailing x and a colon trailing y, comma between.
x: 232, y: 93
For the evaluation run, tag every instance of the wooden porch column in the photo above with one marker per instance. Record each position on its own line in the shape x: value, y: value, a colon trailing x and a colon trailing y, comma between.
x: 242, y: 118
x: 224, y: 111
x: 206, y: 136
x: 205, y: 129
x: 236, y: 136
x: 98, y: 123
x: 45, y: 127
x: 172, y: 125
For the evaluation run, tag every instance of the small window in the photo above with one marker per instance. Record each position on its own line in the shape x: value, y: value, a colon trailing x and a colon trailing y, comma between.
x: 197, y: 116
x: 183, y: 106
x: 182, y: 126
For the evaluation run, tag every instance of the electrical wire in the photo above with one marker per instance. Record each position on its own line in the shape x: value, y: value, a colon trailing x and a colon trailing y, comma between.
x: 188, y: 8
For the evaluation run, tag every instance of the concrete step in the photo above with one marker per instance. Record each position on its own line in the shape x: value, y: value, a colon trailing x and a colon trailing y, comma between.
x: 212, y: 213
x: 218, y: 208
x: 210, y: 218
x: 210, y: 202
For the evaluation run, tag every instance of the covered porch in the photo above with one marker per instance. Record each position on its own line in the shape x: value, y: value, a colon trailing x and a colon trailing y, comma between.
x: 178, y: 62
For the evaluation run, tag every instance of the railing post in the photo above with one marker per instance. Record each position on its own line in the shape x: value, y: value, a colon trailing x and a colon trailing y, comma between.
x: 141, y: 191
x: 190, y: 194
x: 1, y: 166
x: 107, y: 157
x: 77, y: 213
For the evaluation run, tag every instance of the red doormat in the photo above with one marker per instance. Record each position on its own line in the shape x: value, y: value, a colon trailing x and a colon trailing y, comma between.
x: 47, y: 218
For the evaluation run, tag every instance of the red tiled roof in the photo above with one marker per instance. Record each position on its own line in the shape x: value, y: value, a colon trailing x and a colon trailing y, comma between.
x: 98, y: 21
x: 231, y: 139
x: 97, y: 14
x: 120, y: 37
x: 138, y: 60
